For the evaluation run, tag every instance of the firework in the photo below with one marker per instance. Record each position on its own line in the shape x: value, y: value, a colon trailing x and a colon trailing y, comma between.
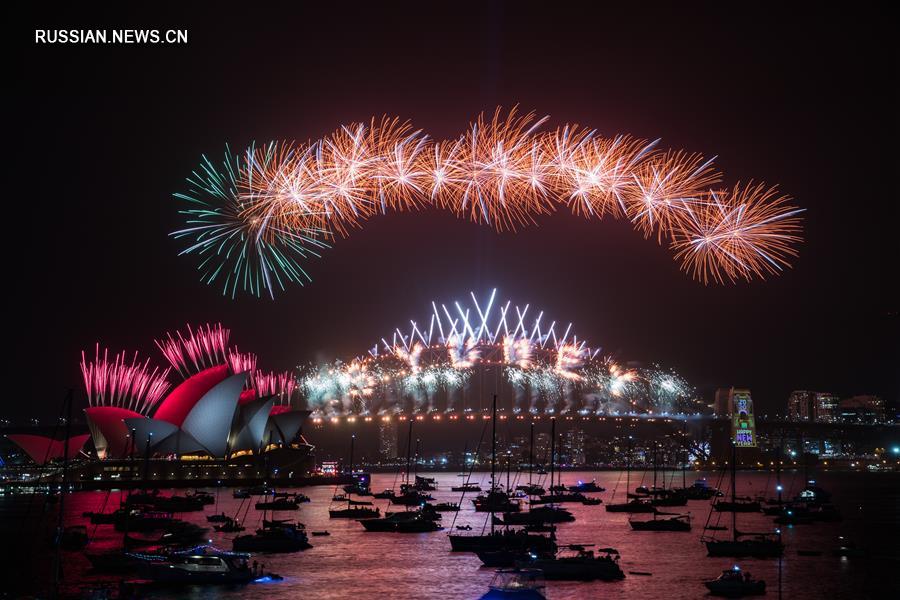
x: 280, y: 385
x: 255, y: 219
x: 471, y: 348
x: 499, y: 172
x: 236, y: 241
x: 197, y: 350
x: 122, y: 383
x: 665, y: 188
x: 745, y: 233
x: 242, y: 362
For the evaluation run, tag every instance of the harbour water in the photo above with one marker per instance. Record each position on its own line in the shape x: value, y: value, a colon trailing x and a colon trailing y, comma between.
x: 353, y: 563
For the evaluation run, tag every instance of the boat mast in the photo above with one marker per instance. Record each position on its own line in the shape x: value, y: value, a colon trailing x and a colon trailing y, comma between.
x: 60, y: 526
x: 628, y: 470
x: 778, y: 474
x: 684, y: 458
x: 734, y: 490
x: 416, y: 462
x: 493, y: 458
x: 508, y: 469
x: 408, y: 449
x: 530, y: 455
x: 352, y: 440
x: 552, y: 450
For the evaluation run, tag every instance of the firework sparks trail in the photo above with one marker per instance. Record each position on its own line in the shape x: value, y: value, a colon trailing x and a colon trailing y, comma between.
x: 132, y: 385
x: 253, y: 220
x: 281, y: 385
x: 243, y: 362
x: 198, y: 350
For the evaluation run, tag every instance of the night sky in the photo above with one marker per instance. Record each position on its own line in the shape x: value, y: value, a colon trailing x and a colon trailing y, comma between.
x: 101, y: 136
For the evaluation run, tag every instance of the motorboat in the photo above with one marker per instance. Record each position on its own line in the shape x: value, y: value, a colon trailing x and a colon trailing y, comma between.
x: 632, y: 506
x: 402, y: 522
x: 273, y: 537
x: 732, y: 583
x: 578, y: 563
x: 466, y: 487
x: 516, y: 583
x: 560, y: 496
x: 586, y: 486
x: 676, y: 523
x: 538, y: 514
x: 495, y: 501
x: 532, y: 489
x: 202, y: 565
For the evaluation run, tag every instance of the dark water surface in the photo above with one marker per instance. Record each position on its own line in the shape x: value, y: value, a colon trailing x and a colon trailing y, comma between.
x: 353, y: 563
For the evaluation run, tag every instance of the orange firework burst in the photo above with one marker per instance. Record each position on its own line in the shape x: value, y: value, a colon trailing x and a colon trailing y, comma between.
x: 496, y: 170
x: 596, y: 173
x: 278, y: 192
x: 743, y: 233
x: 665, y: 187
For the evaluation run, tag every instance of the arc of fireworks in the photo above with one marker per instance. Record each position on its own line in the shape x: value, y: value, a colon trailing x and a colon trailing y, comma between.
x: 255, y: 219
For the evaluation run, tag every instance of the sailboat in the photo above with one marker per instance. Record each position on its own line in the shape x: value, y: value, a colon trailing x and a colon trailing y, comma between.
x: 496, y: 500
x: 356, y: 509
x: 422, y: 520
x: 498, y: 540
x: 531, y: 488
x: 760, y: 545
x: 636, y: 505
x: 551, y: 513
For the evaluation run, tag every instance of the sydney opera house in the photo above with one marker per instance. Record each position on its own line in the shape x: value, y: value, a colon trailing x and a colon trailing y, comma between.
x: 224, y: 421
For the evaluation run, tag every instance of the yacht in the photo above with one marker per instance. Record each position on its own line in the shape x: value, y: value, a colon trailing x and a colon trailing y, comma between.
x: 516, y: 583
x: 273, y: 537
x: 733, y: 584
x: 577, y: 563
x: 466, y: 487
x: 539, y: 515
x: 586, y: 486
x: 676, y: 523
x: 402, y: 522
x: 202, y: 565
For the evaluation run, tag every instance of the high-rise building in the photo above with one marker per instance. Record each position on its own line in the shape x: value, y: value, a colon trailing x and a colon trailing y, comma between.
x: 802, y: 405
x: 542, y: 448
x: 826, y: 407
x: 387, y: 439
x: 573, y: 447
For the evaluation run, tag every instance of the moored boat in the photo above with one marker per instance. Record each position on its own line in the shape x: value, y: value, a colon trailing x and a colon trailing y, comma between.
x: 202, y: 565
x: 273, y: 537
x: 578, y: 563
x: 676, y: 523
x: 732, y: 583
